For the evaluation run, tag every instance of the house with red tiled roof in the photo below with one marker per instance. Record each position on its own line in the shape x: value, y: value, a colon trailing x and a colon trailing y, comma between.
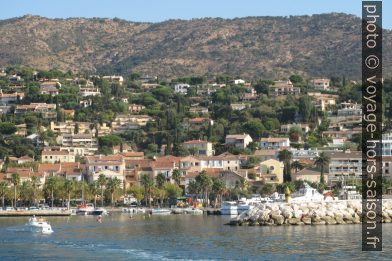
x: 111, y: 166
x: 25, y: 174
x: 230, y: 178
x: 57, y: 156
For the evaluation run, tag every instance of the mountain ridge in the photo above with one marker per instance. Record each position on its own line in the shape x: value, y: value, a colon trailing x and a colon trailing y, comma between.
x: 253, y: 47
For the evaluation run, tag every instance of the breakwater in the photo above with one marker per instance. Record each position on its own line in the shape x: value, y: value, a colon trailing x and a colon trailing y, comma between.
x: 25, y: 213
x: 308, y: 213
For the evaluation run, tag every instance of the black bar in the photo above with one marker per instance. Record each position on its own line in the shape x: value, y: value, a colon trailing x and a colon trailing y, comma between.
x: 372, y: 125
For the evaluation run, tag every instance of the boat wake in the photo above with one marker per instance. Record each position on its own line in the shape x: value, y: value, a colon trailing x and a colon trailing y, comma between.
x: 138, y: 254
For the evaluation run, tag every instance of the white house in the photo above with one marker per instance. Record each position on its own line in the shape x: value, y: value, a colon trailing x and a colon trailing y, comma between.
x: 181, y: 88
x: 320, y: 84
x: 238, y: 140
x: 274, y: 143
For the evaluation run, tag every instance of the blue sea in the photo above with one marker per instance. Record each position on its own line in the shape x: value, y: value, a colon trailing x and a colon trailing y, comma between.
x: 183, y: 237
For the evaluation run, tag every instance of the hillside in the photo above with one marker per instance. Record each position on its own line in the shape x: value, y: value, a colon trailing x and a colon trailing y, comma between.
x: 318, y: 45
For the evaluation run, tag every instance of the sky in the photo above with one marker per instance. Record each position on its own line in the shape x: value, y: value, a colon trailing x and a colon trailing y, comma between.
x: 160, y: 10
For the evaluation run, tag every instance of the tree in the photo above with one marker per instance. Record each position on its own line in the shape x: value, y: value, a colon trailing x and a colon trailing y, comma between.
x: 3, y: 192
x: 69, y: 186
x: 7, y: 128
x: 193, y: 187
x: 136, y: 191
x: 321, y: 161
x: 286, y: 156
x: 176, y: 176
x: 160, y: 181
x: 254, y: 127
x: 205, y: 184
x: 51, y: 185
x: 267, y: 189
x: 94, y: 189
x: 15, y: 180
x: 172, y: 190
x: 147, y: 182
x: 296, y: 79
x: 35, y: 185
x: 101, y: 183
x: 218, y: 188
x: 112, y: 186
x: 306, y: 108
x: 296, y: 165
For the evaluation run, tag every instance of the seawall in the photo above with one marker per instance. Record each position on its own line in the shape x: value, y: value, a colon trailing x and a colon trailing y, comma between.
x: 308, y: 213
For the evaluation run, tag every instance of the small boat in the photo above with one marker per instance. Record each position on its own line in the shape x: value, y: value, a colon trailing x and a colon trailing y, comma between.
x: 160, y: 211
x: 194, y: 211
x: 229, y: 208
x: 89, y: 209
x: 40, y: 225
x: 309, y: 194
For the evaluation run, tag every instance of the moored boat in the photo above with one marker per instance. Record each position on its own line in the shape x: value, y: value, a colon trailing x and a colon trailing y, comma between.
x: 160, y: 211
x: 194, y: 211
x: 229, y: 208
x: 89, y: 209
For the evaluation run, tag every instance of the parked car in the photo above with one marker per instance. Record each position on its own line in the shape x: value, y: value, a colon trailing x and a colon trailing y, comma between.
x: 9, y: 208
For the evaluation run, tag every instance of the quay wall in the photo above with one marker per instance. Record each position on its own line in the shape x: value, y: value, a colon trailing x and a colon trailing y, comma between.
x: 308, y: 213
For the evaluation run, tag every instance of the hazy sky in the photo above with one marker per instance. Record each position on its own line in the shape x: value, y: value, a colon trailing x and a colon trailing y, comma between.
x: 159, y: 10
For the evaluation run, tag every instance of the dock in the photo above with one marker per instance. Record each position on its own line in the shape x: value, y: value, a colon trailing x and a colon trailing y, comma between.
x: 43, y: 213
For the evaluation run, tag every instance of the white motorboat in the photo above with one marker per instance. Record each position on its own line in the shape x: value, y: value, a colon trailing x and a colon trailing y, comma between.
x: 194, y: 211
x: 160, y: 211
x: 229, y: 208
x: 40, y: 225
x: 134, y: 210
x: 89, y: 209
x: 243, y: 205
x: 308, y: 194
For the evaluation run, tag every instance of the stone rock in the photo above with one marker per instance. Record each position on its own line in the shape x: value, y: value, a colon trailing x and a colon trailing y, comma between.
x: 294, y: 221
x: 339, y: 220
x: 329, y: 220
x: 278, y: 219
x: 307, y: 220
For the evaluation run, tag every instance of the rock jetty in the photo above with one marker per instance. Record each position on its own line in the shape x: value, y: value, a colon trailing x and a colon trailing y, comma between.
x: 308, y: 213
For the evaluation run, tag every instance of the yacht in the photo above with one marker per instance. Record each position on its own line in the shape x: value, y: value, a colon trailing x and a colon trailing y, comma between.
x: 309, y: 194
x: 229, y: 208
x: 39, y: 225
x: 89, y: 209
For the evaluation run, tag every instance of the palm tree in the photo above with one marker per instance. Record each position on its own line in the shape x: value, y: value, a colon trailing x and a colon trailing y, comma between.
x: 147, y: 182
x: 193, y: 187
x: 101, y: 182
x: 160, y: 180
x: 218, y: 187
x: 51, y: 185
x: 35, y: 184
x: 296, y: 165
x: 286, y: 156
x: 112, y: 186
x: 94, y: 188
x: 69, y: 186
x: 205, y: 184
x: 15, y: 179
x: 176, y: 176
x: 3, y: 191
x: 321, y: 161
